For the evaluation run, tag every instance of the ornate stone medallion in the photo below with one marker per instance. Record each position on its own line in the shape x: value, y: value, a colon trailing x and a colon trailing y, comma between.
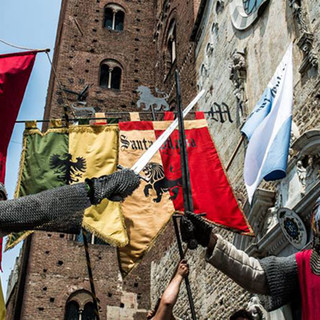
x: 245, y: 12
x: 293, y: 227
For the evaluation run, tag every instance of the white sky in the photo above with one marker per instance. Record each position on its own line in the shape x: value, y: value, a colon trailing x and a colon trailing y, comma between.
x: 30, y: 24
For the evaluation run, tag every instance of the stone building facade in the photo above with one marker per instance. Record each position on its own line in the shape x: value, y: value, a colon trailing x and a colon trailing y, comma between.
x: 236, y: 54
x: 104, y: 52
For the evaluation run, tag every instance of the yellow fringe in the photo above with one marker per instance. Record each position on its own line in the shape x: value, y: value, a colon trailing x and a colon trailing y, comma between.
x: 14, y: 243
x: 105, y: 238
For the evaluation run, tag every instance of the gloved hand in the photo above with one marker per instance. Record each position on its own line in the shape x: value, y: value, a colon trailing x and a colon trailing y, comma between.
x: 201, y: 229
x: 114, y: 187
x: 187, y: 233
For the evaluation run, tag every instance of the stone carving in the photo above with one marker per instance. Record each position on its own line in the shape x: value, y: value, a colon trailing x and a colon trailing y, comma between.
x: 256, y: 309
x: 148, y: 99
x: 298, y: 15
x: 305, y: 42
x: 219, y: 6
x: 271, y: 219
x: 310, y: 58
x: 292, y: 227
x: 238, y: 76
x: 312, y: 170
x: 302, y: 174
x: 83, y: 112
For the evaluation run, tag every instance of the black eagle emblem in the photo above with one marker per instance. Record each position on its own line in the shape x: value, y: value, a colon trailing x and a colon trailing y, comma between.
x: 69, y: 171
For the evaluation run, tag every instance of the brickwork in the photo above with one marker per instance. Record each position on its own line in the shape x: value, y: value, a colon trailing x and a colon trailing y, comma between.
x: 57, y: 268
x: 82, y: 44
x: 216, y: 296
x: 57, y: 265
x: 210, y: 288
x: 183, y: 13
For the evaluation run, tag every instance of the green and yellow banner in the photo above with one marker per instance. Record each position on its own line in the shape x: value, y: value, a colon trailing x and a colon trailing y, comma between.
x: 63, y: 156
x: 38, y: 170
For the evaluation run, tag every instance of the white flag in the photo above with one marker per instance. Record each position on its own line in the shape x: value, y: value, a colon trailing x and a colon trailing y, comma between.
x: 268, y: 129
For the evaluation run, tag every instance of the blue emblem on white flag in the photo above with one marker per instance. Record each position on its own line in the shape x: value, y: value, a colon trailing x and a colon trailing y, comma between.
x: 268, y: 129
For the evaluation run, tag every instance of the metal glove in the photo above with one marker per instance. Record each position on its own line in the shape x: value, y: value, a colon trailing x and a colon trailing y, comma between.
x: 201, y: 229
x: 187, y: 233
x: 114, y: 187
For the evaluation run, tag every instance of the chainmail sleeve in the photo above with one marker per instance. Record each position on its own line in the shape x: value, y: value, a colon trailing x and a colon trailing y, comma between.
x: 59, y: 209
x: 283, y: 282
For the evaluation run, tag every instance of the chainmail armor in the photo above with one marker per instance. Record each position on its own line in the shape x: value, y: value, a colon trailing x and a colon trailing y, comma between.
x: 315, y: 262
x: 59, y: 209
x: 283, y: 282
x: 115, y: 186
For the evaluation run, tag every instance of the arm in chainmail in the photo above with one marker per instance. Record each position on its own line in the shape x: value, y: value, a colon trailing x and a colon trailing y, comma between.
x: 59, y: 209
x: 283, y: 282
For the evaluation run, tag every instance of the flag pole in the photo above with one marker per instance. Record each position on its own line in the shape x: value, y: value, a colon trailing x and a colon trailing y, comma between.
x: 186, y: 186
x: 181, y: 252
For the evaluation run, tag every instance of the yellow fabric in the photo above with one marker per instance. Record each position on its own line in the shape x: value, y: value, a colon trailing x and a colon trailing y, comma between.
x: 2, y: 305
x: 144, y: 217
x: 99, y: 146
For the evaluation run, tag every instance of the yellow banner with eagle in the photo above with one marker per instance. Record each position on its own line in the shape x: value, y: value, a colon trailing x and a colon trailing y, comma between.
x: 95, y: 149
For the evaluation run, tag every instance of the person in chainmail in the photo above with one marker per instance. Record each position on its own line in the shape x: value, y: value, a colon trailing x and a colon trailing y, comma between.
x: 163, y: 309
x: 61, y: 209
x: 277, y: 280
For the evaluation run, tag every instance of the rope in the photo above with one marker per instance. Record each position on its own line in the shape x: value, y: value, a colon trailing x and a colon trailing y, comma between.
x: 23, y: 48
x: 93, y: 291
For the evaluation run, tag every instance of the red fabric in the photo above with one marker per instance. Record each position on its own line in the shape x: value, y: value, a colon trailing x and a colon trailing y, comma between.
x: 135, y: 125
x: 200, y: 115
x: 211, y: 191
x: 15, y: 70
x: 309, y: 286
x: 168, y: 115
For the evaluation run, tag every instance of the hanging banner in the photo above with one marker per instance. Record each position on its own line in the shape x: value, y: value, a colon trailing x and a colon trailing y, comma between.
x: 211, y: 191
x: 38, y: 169
x: 96, y: 148
x: 15, y: 69
x: 149, y: 209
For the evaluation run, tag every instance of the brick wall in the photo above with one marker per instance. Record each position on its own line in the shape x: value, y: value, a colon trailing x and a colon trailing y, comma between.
x: 57, y: 268
x: 82, y: 44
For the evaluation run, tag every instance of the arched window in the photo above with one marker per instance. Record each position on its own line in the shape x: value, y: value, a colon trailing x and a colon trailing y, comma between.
x: 88, y: 312
x: 72, y: 311
x: 113, y: 17
x: 110, y: 75
x: 80, y: 306
x: 171, y: 40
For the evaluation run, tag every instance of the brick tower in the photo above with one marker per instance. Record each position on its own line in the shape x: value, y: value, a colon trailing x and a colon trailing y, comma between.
x: 104, y: 50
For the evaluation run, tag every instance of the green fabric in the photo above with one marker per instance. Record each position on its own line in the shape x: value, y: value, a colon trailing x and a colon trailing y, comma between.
x: 37, y: 174
x: 36, y: 170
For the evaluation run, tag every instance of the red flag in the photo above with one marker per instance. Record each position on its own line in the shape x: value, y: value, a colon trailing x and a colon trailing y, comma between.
x: 15, y: 69
x: 211, y: 192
